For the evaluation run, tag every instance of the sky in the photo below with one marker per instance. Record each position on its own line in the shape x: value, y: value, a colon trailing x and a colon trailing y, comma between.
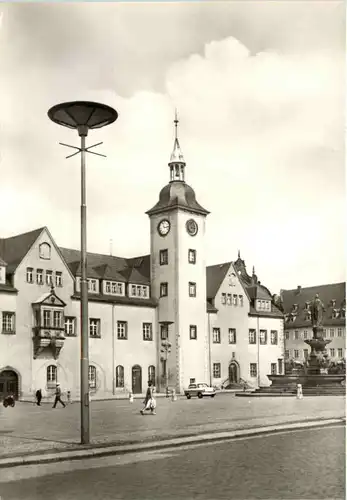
x: 259, y: 89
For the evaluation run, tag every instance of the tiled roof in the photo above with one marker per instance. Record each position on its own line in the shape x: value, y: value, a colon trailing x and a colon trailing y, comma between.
x: 135, y: 270
x: 14, y: 249
x: 301, y: 296
x: 7, y: 288
x: 214, y: 278
x: 131, y: 301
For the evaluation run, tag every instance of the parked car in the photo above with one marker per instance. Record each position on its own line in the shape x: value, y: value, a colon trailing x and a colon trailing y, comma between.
x: 200, y: 390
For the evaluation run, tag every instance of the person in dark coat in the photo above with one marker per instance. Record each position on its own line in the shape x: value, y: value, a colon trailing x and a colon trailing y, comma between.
x: 149, y: 401
x: 38, y: 396
x: 58, y: 397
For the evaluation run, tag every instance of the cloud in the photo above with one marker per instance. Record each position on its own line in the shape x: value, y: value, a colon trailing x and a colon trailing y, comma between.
x: 261, y: 127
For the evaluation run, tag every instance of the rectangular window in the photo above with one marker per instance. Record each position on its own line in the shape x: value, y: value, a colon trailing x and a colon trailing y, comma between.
x: 252, y: 336
x: 263, y: 337
x: 147, y: 331
x: 39, y: 276
x: 92, y: 287
x: 216, y: 370
x: 296, y: 353
x: 305, y: 334
x: 164, y: 257
x: 286, y: 353
x: 58, y: 278
x: 193, y: 332
x: 339, y: 332
x: 163, y: 289
x: 30, y: 278
x: 8, y: 320
x: 280, y: 366
x: 192, y: 289
x: 70, y: 326
x: 49, y: 278
x: 117, y: 288
x: 224, y: 298
x: 339, y: 352
x: 92, y: 377
x: 253, y: 369
x: 305, y: 353
x: 241, y: 300
x: 286, y: 335
x: 122, y: 330
x: 192, y: 256
x: 332, y: 353
x: 229, y: 299
x: 164, y: 332
x: 235, y: 300
x: 216, y: 335
x: 332, y: 331
x: 273, y: 368
x: 296, y: 335
x: 57, y: 319
x: 46, y: 318
x: 274, y: 337
x: 232, y: 335
x: 108, y: 287
x: 94, y: 327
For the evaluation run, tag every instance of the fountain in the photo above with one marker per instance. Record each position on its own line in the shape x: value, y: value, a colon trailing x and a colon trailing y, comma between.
x: 315, y: 379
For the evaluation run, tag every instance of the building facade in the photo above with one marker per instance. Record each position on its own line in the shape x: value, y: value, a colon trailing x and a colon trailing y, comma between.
x: 219, y: 325
x: 296, y: 306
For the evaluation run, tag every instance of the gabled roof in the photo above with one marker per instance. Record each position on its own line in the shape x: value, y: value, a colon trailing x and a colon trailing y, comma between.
x: 300, y: 296
x: 214, y: 278
x: 14, y: 249
x: 51, y: 298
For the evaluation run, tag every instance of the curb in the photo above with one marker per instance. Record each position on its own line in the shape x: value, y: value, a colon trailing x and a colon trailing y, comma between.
x: 211, y: 437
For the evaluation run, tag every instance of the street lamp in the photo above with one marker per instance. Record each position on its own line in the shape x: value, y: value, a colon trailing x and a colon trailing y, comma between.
x: 83, y: 115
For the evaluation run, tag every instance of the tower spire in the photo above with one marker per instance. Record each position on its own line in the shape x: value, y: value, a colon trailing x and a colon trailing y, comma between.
x: 177, y: 163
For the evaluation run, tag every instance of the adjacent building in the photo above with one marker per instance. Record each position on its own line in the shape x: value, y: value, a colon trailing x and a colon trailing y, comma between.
x: 296, y: 307
x: 221, y: 323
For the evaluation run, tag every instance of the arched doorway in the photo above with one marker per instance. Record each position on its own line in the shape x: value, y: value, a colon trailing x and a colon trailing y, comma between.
x: 234, y: 373
x: 8, y: 384
x: 136, y: 377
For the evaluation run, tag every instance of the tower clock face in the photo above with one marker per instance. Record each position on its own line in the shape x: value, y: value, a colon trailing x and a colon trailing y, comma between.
x: 192, y: 227
x: 164, y: 227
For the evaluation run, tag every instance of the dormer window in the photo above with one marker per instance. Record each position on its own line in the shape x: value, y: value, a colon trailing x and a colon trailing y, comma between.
x: 45, y: 251
x: 308, y: 315
x: 333, y: 303
x: 295, y: 308
x: 307, y: 305
x: 335, y: 313
x: 343, y: 313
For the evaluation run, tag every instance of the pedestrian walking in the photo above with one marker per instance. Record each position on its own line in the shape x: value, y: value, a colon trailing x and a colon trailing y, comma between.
x: 38, y: 396
x: 149, y: 402
x: 58, y: 396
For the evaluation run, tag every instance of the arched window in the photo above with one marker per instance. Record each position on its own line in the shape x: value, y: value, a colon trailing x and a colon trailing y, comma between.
x: 92, y: 377
x: 45, y: 251
x: 120, y: 376
x: 232, y: 279
x: 151, y: 374
x: 51, y: 375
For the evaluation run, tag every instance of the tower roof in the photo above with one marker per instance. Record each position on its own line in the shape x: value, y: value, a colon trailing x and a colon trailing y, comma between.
x: 177, y: 194
x: 176, y: 155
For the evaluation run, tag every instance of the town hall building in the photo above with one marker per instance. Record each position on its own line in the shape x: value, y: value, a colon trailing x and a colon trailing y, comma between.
x: 164, y: 317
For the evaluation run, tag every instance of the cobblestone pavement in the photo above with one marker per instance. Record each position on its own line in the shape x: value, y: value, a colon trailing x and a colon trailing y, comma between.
x: 29, y: 428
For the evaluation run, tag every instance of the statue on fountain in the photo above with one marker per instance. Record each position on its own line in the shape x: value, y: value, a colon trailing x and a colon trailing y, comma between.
x: 317, y: 310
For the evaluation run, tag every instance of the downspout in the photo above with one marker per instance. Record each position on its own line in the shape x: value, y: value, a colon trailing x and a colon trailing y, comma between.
x: 113, y: 354
x: 258, y: 353
x: 209, y: 348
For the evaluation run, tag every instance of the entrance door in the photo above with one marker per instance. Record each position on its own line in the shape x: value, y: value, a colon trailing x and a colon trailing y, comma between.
x: 8, y: 384
x: 233, y: 373
x: 137, y: 379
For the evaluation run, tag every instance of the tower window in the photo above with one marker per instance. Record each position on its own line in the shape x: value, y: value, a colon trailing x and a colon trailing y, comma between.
x: 192, y: 332
x: 163, y: 289
x: 164, y: 257
x: 216, y: 370
x: 232, y: 335
x: 192, y: 289
x: 192, y: 256
x: 216, y: 335
x: 164, y: 332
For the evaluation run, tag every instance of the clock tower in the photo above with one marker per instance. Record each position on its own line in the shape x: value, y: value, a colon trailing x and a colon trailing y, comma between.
x: 178, y: 279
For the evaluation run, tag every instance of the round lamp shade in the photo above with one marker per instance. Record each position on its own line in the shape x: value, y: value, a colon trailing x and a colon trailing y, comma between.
x: 82, y: 114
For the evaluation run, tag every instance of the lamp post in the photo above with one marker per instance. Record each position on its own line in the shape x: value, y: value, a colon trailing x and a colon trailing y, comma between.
x: 82, y: 116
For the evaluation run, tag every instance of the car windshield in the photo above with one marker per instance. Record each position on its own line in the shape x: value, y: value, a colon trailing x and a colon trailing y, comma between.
x: 192, y: 386
x: 202, y: 385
